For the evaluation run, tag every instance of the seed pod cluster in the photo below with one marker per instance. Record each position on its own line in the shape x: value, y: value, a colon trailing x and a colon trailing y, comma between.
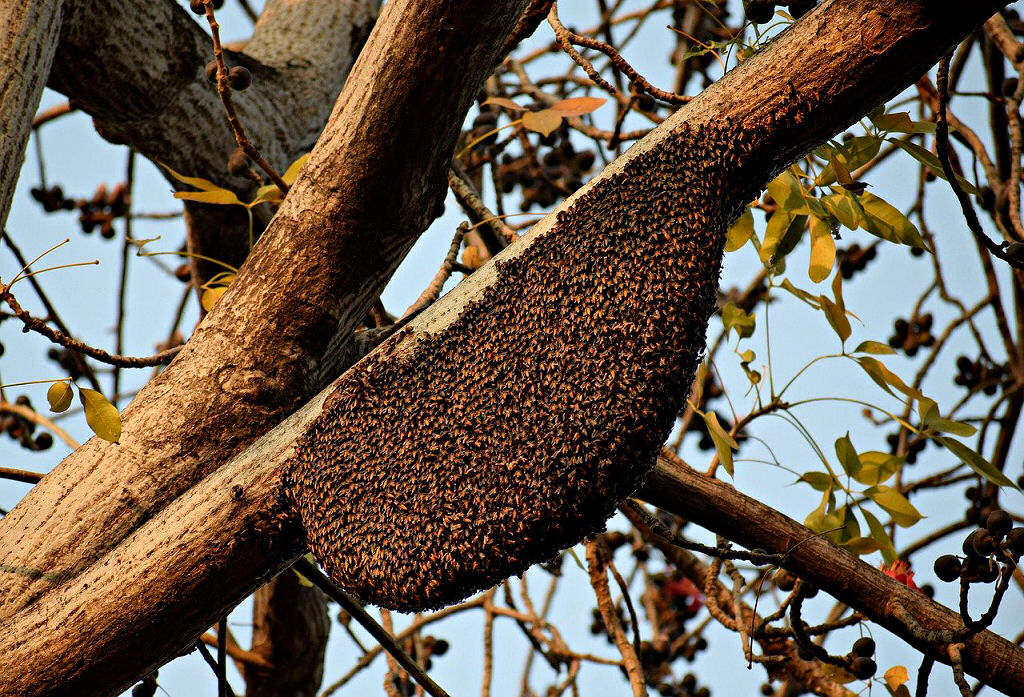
x: 445, y: 462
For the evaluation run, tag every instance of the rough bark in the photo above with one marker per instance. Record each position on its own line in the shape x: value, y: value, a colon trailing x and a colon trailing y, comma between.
x: 28, y: 42
x: 286, y: 326
x: 138, y: 69
x: 180, y: 568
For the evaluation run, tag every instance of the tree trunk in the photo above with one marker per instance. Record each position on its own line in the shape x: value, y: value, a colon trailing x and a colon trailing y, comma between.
x: 158, y: 536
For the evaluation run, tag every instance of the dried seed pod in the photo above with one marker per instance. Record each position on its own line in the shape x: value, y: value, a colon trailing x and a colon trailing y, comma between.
x: 451, y: 459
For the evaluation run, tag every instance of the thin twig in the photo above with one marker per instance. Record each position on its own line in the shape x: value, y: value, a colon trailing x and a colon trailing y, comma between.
x: 40, y: 420
x: 224, y: 90
x: 317, y: 577
x: 58, y: 337
x: 942, y: 151
x: 596, y: 562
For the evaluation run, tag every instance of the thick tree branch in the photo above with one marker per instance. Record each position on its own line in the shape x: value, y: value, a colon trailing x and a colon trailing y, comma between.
x: 137, y: 68
x: 28, y: 43
x: 287, y: 323
x: 212, y: 541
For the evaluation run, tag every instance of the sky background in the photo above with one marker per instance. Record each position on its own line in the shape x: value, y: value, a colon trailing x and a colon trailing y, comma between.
x: 77, y: 159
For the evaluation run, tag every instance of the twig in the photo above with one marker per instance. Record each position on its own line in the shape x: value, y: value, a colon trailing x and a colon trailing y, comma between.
x: 433, y: 289
x: 224, y: 90
x: 54, y: 112
x: 599, y: 581
x: 37, y: 418
x: 957, y: 662
x: 59, y: 337
x: 122, y: 286
x: 237, y: 653
x: 222, y: 657
x: 942, y: 151
x: 921, y: 690
x: 471, y: 201
x: 212, y: 662
x: 16, y: 475
x: 317, y: 577
x: 51, y: 311
x: 566, y: 37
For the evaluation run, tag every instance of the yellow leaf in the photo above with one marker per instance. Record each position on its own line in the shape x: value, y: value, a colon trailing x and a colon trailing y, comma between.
x: 211, y: 296
x: 724, y: 443
x: 740, y: 231
x: 577, y: 106
x: 219, y: 196
x: 544, y: 121
x: 823, y: 250
x: 502, y: 102
x: 895, y: 676
x: 101, y: 415
x: 471, y: 258
x: 268, y: 193
x: 59, y: 396
x: 198, y: 182
x: 292, y: 173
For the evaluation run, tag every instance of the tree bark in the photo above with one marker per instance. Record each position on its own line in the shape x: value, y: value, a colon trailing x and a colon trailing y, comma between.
x: 87, y: 599
x: 137, y: 68
x: 28, y: 42
x: 286, y: 326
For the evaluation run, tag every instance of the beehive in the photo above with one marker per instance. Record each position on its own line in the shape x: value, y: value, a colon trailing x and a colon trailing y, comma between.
x: 492, y: 444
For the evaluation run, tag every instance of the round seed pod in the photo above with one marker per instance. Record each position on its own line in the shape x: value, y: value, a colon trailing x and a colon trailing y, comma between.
x: 239, y: 78
x: 452, y: 458
x: 947, y: 568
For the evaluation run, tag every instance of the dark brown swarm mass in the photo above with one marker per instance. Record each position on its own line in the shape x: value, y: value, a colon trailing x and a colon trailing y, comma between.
x: 514, y: 432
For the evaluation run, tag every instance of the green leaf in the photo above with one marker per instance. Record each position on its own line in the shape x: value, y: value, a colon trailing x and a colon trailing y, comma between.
x: 896, y: 504
x: 734, y: 317
x: 847, y: 157
x: 847, y: 455
x: 822, y: 481
x: 876, y: 467
x: 59, y: 396
x: 101, y: 415
x: 860, y: 545
x: 740, y: 231
x: 932, y: 162
x: 698, y: 384
x: 269, y: 193
x: 880, y: 536
x: 724, y: 443
x: 885, y: 378
x: 746, y: 358
x: 824, y: 519
x: 874, y: 347
x: 800, y: 294
x: 975, y: 461
x: 775, y: 230
x: 845, y: 207
x: 900, y: 122
x: 210, y: 296
x: 836, y: 317
x: 930, y: 418
x: 788, y: 193
x: 823, y: 250
x: 544, y: 121
x: 221, y: 197
x: 886, y: 221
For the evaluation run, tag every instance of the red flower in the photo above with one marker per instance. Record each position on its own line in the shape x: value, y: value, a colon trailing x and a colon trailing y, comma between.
x: 900, y: 570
